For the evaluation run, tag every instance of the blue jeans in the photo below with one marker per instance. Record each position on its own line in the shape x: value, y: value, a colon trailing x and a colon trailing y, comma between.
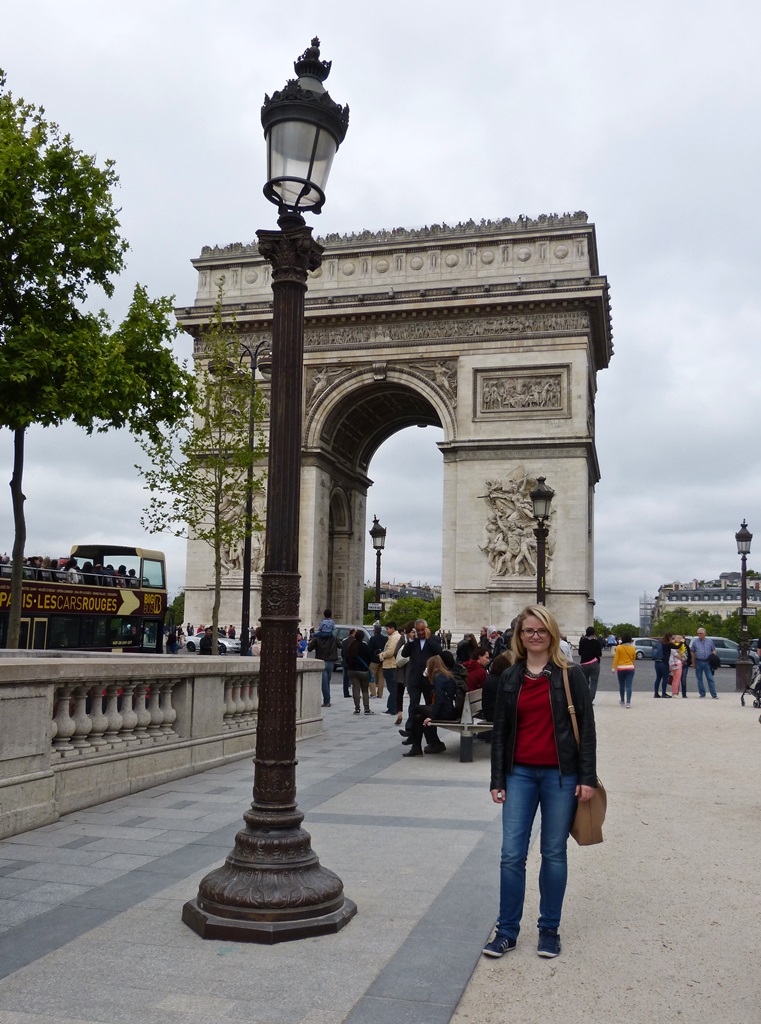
x: 625, y: 680
x: 700, y: 668
x: 526, y: 789
x: 327, y: 672
x: 661, y: 676
x: 389, y: 675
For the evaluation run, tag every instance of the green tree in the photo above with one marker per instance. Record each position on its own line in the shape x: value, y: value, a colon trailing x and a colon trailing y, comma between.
x: 199, y: 482
x: 624, y: 627
x: 59, y: 236
x: 407, y: 609
x: 368, y: 616
x: 176, y: 610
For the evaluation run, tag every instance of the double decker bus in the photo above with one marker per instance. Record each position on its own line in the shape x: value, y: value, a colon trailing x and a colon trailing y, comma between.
x: 115, y: 600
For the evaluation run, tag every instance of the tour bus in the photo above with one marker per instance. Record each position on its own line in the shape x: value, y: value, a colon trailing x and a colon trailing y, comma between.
x: 102, y: 611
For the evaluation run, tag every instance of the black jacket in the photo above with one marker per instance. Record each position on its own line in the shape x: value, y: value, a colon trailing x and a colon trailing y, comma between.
x: 570, y: 758
x: 419, y: 657
x: 325, y: 647
x: 444, y: 691
x: 359, y: 661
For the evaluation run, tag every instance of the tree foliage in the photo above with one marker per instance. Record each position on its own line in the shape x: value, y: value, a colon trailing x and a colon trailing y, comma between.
x: 687, y: 623
x: 198, y: 481
x: 59, y: 237
x: 407, y: 609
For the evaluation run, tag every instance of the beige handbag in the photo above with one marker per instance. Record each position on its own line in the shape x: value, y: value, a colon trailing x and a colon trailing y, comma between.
x: 590, y: 814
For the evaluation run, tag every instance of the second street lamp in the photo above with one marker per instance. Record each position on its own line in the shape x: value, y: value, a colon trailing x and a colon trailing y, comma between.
x: 264, y: 365
x: 744, y: 667
x: 378, y: 534
x: 541, y: 499
x: 272, y: 886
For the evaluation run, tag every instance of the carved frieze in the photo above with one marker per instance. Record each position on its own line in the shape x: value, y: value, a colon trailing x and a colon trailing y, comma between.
x: 445, y: 330
x: 442, y: 374
x: 511, y: 394
x: 510, y: 545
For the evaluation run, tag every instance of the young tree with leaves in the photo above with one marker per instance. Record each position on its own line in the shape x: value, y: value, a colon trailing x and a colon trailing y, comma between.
x: 199, y: 483
x: 59, y: 235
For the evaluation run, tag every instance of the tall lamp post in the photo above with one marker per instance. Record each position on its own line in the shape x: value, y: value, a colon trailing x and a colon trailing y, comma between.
x: 265, y: 366
x: 378, y: 534
x: 541, y: 499
x: 744, y: 667
x: 272, y: 886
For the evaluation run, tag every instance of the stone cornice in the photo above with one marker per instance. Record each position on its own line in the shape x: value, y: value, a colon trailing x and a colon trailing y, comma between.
x: 486, y: 229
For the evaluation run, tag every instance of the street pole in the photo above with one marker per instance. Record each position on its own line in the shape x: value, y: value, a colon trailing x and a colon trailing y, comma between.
x: 541, y: 533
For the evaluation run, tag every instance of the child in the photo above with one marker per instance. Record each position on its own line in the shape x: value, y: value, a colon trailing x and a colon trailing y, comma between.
x: 327, y: 625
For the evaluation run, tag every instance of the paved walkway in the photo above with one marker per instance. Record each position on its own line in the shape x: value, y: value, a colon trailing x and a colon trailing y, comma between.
x: 661, y: 922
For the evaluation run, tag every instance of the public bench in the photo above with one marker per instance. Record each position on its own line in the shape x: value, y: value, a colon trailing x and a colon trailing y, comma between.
x: 469, y: 725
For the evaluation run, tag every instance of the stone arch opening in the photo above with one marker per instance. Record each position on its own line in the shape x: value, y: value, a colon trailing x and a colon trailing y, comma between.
x: 344, y: 429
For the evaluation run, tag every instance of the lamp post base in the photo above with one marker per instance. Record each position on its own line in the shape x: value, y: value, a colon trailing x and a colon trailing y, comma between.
x: 272, y: 888
x: 743, y: 674
x: 267, y: 933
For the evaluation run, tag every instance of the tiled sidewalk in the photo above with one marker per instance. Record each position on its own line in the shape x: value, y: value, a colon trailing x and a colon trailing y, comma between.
x: 91, y: 931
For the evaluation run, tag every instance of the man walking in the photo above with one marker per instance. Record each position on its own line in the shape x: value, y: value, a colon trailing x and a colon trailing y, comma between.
x: 702, y: 648
x: 376, y: 643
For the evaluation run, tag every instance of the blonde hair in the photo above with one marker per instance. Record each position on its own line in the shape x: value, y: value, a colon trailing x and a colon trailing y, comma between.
x: 435, y: 666
x: 549, y: 621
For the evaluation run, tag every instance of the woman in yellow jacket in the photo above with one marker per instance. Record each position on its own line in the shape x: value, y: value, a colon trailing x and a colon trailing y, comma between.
x: 624, y: 656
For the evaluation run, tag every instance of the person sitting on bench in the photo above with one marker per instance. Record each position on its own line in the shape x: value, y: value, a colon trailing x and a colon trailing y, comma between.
x: 441, y: 710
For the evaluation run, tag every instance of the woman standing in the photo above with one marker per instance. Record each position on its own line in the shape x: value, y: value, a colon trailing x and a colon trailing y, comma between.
x: 662, y: 657
x: 535, y: 762
x: 358, y: 655
x: 624, y: 658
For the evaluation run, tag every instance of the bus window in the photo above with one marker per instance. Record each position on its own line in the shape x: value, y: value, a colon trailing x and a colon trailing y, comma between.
x: 125, y: 632
x: 40, y: 634
x: 95, y: 632
x: 151, y: 634
x: 63, y: 632
x: 153, y: 573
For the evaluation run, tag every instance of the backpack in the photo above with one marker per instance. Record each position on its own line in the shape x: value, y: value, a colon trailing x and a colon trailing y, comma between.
x: 460, y: 690
x: 658, y: 652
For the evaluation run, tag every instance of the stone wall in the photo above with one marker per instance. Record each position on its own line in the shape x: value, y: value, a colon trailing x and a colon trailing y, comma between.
x: 78, y: 731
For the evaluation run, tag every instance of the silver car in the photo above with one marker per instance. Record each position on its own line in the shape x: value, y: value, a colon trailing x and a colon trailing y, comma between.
x: 224, y: 645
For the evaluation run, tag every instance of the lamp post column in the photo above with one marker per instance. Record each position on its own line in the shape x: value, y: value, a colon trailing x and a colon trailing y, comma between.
x: 541, y: 533
x: 245, y: 608
x: 272, y: 886
x: 744, y: 667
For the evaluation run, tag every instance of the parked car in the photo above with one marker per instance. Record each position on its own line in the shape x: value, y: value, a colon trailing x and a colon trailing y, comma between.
x: 645, y: 646
x: 728, y: 651
x: 224, y: 645
x: 342, y: 631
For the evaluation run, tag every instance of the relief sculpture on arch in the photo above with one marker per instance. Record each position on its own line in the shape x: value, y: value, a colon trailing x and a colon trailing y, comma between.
x: 510, y: 545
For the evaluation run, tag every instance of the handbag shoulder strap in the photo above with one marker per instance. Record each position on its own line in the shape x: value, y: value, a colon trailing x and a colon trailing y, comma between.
x: 571, y: 708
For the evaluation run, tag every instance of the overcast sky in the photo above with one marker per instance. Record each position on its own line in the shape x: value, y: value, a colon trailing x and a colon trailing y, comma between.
x: 645, y: 115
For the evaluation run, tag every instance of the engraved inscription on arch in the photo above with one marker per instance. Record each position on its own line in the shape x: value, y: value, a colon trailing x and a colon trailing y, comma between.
x: 512, y: 394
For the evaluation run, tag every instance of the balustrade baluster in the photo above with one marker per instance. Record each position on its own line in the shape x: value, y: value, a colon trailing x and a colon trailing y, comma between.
x: 235, y: 697
x: 98, y: 720
x: 248, y: 701
x: 157, y: 715
x: 129, y: 715
x: 111, y: 735
x: 169, y: 712
x: 142, y: 712
x: 82, y: 721
x: 65, y: 724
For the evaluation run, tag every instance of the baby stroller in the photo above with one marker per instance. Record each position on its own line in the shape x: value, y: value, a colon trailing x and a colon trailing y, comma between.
x: 753, y: 689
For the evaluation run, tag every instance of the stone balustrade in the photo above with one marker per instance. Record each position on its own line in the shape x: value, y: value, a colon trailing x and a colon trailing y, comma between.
x: 78, y: 731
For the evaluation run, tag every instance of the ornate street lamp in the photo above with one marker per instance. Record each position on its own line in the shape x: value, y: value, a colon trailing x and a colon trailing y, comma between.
x: 744, y: 667
x: 378, y: 534
x: 272, y: 886
x: 541, y: 499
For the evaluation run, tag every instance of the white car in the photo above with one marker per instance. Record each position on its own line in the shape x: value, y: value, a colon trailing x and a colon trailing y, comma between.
x: 224, y: 645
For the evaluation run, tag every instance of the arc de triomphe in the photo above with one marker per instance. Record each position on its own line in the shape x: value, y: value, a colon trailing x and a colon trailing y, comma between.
x: 495, y: 332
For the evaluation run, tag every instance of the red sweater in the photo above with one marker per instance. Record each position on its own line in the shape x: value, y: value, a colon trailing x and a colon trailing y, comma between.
x: 535, y: 734
x: 476, y: 674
